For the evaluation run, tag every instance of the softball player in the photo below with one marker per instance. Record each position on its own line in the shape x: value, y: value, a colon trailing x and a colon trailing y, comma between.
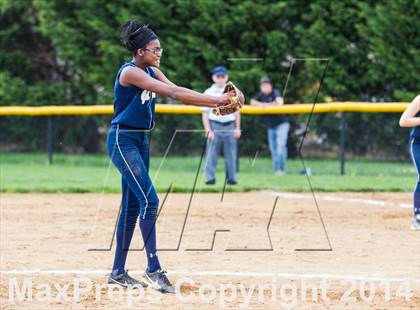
x: 136, y: 85
x: 411, y: 118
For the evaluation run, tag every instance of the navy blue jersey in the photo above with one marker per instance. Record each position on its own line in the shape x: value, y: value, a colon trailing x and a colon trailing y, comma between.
x: 415, y: 132
x: 133, y: 107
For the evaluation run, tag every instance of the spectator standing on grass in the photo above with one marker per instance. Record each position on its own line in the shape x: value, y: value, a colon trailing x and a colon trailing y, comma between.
x: 278, y: 124
x: 222, y: 132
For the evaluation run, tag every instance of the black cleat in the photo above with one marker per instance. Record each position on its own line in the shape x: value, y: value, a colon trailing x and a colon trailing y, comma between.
x: 158, y: 281
x: 232, y: 182
x: 125, y: 280
x: 211, y: 182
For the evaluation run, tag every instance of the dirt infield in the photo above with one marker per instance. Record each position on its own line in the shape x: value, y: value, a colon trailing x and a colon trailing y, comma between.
x: 255, y: 261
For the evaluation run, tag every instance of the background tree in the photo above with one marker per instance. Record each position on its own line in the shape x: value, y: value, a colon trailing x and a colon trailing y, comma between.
x: 67, y: 52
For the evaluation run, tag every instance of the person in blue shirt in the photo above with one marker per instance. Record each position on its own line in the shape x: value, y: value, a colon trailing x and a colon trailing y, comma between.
x: 136, y: 85
x: 411, y: 118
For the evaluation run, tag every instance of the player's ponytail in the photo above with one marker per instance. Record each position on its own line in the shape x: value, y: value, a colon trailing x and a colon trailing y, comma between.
x: 135, y: 35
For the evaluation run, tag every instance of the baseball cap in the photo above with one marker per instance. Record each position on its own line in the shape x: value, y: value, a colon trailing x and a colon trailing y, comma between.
x: 219, y: 70
x: 265, y: 79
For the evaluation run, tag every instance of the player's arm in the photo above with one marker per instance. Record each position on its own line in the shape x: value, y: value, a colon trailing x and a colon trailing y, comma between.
x: 132, y: 76
x: 408, y: 118
x: 162, y: 77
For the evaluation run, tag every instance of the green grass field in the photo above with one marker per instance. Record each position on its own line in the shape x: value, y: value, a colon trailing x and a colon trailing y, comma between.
x: 93, y: 173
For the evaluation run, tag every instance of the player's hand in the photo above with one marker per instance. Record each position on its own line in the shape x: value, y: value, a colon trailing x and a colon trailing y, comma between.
x: 237, y: 133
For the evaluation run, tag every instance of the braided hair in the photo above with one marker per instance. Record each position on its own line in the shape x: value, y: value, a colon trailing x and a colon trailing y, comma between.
x: 135, y: 35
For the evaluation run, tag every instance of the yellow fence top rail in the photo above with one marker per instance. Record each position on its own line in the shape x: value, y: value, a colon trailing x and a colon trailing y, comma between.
x: 388, y: 107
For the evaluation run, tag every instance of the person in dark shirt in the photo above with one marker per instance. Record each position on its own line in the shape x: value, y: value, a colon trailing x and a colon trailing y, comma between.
x: 278, y: 124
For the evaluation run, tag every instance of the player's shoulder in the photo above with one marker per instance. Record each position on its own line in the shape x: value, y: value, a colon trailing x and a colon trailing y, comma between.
x: 416, y: 102
x: 127, y: 68
x: 154, y: 70
x: 132, y: 70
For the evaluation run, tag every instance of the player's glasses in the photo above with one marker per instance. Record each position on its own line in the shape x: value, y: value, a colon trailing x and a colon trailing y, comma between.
x: 220, y: 76
x: 157, y: 51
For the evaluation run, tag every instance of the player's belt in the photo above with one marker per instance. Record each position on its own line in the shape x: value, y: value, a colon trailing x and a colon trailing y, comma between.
x: 125, y: 127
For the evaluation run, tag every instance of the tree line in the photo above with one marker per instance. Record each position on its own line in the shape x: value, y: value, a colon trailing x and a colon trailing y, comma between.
x: 68, y: 51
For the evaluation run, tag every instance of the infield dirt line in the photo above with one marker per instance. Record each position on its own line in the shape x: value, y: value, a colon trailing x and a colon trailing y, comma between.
x: 373, y: 202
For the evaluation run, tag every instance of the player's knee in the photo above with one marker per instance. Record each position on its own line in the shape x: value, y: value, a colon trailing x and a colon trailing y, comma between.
x: 128, y: 218
x: 153, y: 199
x: 149, y: 213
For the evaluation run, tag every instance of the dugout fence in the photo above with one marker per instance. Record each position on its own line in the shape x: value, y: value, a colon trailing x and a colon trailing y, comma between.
x: 333, y: 107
